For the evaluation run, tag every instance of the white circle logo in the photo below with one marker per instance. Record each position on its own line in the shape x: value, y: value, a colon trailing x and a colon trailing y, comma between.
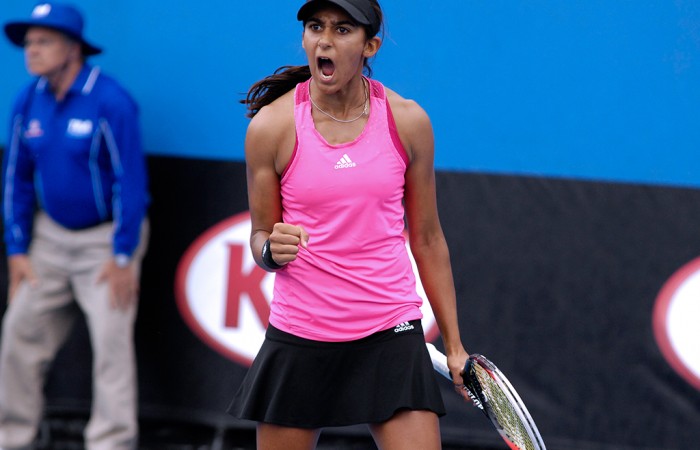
x: 676, y: 317
x: 224, y: 297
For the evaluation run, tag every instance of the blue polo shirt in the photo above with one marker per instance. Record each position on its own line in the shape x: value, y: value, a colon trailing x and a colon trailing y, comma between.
x: 80, y: 160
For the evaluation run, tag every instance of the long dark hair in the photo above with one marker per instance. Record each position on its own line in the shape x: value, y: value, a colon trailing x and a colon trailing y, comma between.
x: 285, y: 78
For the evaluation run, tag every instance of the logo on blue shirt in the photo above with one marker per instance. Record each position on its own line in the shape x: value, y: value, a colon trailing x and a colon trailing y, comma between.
x: 33, y: 129
x: 79, y: 128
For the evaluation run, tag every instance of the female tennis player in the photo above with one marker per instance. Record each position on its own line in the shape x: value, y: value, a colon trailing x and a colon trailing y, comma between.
x: 335, y: 162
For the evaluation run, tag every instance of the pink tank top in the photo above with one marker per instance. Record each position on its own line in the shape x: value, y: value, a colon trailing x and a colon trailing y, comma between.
x: 356, y: 277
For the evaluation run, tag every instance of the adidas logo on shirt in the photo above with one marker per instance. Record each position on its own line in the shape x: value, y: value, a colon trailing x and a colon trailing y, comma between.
x: 403, y: 326
x: 344, y: 163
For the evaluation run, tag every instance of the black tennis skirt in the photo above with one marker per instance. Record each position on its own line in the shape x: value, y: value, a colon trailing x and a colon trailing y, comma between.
x: 302, y: 383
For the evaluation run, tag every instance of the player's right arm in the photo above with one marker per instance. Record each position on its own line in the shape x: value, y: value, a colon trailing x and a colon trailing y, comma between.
x: 269, y: 145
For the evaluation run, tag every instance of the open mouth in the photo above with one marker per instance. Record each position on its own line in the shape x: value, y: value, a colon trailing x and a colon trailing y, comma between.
x: 326, y: 67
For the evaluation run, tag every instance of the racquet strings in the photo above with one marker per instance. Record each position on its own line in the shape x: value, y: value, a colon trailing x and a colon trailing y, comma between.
x: 505, y: 413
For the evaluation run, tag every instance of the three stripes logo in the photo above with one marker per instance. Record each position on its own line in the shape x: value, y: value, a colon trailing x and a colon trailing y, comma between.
x: 345, y: 163
x: 403, y: 326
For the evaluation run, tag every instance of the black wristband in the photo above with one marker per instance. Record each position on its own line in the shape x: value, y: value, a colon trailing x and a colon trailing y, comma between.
x: 267, y: 257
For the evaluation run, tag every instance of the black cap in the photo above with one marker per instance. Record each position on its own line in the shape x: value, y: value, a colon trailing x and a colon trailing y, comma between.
x: 361, y: 11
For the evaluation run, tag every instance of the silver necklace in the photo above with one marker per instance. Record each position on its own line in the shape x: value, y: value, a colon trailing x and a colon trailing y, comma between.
x: 365, y: 109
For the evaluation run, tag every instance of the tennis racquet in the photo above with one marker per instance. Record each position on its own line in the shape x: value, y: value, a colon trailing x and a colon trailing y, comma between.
x: 491, y: 392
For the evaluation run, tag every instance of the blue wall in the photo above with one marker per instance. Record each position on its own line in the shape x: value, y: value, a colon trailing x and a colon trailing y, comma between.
x: 592, y: 89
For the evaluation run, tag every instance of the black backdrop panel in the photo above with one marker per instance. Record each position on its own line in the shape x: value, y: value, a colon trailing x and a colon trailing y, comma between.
x: 557, y: 282
x: 556, y: 279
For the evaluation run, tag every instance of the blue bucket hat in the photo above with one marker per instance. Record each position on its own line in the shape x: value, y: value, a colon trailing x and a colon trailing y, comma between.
x: 63, y: 18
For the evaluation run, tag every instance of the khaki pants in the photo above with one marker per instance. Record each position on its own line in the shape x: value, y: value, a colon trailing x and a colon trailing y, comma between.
x: 38, y: 321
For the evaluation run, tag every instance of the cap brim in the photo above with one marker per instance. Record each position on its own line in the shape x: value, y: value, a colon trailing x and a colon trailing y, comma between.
x: 308, y: 8
x: 16, y: 31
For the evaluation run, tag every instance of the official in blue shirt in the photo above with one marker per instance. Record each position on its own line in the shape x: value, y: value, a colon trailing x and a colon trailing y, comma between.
x: 74, y: 204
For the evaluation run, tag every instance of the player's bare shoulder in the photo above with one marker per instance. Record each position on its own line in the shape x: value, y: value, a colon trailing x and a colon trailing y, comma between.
x: 405, y: 107
x: 275, y: 117
x: 272, y: 128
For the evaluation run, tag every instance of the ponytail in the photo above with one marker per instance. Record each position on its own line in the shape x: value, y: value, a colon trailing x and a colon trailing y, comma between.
x: 274, y: 86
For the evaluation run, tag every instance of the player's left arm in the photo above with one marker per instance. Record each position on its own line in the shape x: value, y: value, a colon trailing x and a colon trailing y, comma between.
x: 427, y: 239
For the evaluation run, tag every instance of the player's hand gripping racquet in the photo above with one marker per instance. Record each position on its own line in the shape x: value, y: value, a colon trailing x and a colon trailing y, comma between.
x: 491, y: 392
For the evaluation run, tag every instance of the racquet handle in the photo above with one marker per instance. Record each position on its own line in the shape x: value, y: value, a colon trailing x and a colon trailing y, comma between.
x: 439, y: 361
x: 440, y: 365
